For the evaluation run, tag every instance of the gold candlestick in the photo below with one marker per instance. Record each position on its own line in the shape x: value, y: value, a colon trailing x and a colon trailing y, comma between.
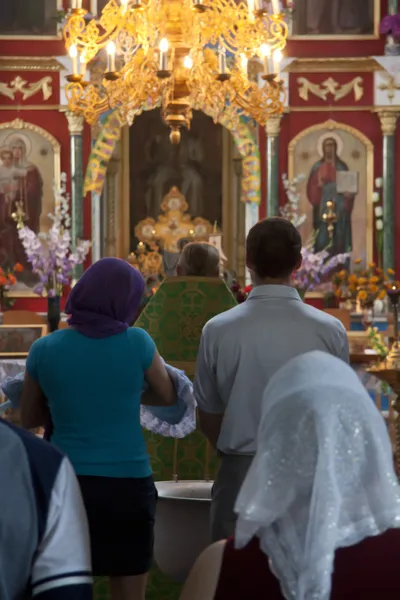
x: 330, y: 218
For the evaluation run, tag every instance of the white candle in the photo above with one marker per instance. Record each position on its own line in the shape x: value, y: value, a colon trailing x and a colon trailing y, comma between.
x: 266, y: 53
x: 259, y: 5
x: 73, y: 53
x: 73, y: 4
x: 275, y: 7
x: 244, y: 61
x: 222, y: 60
x: 251, y: 8
x: 78, y: 3
x: 277, y: 57
x: 93, y: 7
x: 379, y: 182
x: 111, y: 57
x: 164, y: 54
x: 123, y: 6
x: 82, y: 65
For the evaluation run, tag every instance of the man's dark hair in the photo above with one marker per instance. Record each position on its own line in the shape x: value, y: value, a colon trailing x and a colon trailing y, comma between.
x: 273, y: 248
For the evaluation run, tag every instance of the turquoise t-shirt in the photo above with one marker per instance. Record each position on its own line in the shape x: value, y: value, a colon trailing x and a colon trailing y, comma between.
x: 94, y: 387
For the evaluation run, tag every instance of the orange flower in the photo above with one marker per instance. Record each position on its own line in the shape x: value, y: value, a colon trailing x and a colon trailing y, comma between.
x: 362, y: 281
x: 374, y: 279
x: 12, y: 279
x: 342, y: 274
x: 382, y: 294
x: 373, y: 288
x: 3, y: 280
x: 353, y: 280
x: 18, y: 268
x: 352, y: 288
x: 362, y: 295
x: 358, y: 261
x: 371, y: 265
x: 390, y: 272
x: 338, y: 293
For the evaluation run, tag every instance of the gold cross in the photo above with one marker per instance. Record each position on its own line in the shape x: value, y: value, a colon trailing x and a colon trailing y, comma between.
x: 19, y: 215
x: 391, y: 86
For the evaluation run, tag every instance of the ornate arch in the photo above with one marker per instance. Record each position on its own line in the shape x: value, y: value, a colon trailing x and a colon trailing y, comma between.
x: 332, y: 125
x: 246, y: 144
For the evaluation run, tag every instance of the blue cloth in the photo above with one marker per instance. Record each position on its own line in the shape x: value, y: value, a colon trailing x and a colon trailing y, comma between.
x: 94, y: 389
x: 175, y: 421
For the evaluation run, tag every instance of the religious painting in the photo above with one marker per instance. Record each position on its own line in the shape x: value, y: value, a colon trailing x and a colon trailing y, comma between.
x: 336, y: 18
x: 194, y: 167
x: 336, y: 162
x: 30, y: 18
x: 16, y: 340
x: 29, y: 167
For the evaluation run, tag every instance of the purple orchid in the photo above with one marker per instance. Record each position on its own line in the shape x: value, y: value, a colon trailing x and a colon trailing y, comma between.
x: 50, y: 254
x: 390, y: 25
x: 315, y: 267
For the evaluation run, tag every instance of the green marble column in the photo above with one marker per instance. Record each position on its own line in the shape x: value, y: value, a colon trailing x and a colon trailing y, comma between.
x: 75, y: 127
x: 392, y: 7
x: 273, y: 129
x: 388, y: 124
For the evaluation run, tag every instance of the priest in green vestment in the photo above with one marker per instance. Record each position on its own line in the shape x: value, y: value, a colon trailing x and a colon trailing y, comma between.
x: 174, y: 317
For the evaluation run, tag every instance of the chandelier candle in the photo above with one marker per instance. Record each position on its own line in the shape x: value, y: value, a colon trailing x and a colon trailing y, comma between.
x: 222, y: 60
x: 276, y: 7
x: 111, y: 57
x: 164, y: 54
x: 266, y: 53
x: 73, y: 53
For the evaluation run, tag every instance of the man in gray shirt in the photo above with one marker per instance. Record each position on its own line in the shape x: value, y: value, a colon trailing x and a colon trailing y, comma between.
x: 241, y: 349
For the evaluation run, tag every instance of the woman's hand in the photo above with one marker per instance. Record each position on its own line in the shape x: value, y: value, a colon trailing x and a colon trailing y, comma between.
x: 162, y: 390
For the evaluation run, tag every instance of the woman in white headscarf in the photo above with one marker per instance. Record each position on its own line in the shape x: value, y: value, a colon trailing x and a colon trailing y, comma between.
x: 319, y: 511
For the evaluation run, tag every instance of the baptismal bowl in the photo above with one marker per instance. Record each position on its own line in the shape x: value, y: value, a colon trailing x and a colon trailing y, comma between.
x: 182, y: 529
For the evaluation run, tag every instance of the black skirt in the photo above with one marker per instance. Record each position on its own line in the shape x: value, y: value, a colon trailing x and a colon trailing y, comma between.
x: 121, y: 514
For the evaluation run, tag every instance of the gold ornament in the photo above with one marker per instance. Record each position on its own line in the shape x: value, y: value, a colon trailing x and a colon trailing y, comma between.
x: 179, y: 55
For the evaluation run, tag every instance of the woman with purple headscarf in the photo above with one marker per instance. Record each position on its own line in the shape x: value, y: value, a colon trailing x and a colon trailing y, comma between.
x: 75, y: 375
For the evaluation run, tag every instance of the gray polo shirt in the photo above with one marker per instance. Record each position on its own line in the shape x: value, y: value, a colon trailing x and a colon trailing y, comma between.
x: 241, y: 349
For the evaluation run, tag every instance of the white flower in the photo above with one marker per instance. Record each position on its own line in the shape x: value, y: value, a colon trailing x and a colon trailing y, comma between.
x: 376, y: 197
x: 378, y: 211
x: 378, y: 182
x: 379, y: 224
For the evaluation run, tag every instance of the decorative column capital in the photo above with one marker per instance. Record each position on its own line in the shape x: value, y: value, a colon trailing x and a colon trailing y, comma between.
x: 273, y: 126
x: 75, y: 122
x: 388, y: 119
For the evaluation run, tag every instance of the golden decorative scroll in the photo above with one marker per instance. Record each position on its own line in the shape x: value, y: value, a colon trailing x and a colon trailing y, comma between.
x: 331, y: 87
x: 19, y: 85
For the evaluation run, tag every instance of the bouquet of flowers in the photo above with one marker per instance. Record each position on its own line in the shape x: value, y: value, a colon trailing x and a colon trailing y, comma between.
x: 364, y: 285
x: 50, y: 253
x: 8, y: 277
x: 7, y: 280
x: 316, y: 267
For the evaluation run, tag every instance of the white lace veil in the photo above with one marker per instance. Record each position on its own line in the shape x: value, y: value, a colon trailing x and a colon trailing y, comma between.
x: 323, y: 475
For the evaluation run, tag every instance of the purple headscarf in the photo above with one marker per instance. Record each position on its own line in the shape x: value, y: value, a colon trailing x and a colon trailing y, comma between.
x: 106, y: 299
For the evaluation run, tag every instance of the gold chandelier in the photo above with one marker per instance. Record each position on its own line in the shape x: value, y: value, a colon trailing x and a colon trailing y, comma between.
x: 179, y: 55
